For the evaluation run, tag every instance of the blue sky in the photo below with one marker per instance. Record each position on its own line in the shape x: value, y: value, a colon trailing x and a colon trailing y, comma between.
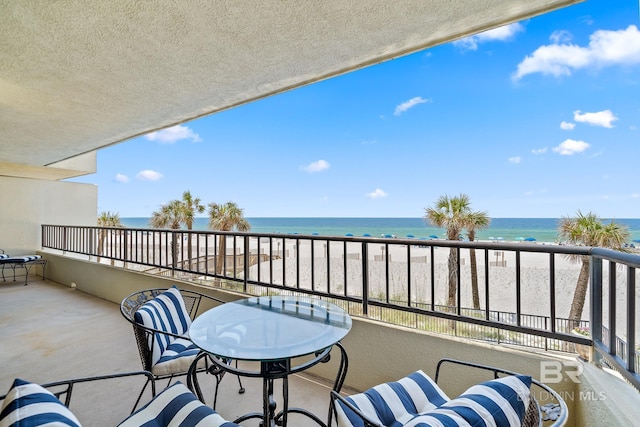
x: 537, y: 119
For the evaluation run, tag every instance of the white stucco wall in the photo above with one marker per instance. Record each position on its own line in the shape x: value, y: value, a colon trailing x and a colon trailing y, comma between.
x: 29, y: 203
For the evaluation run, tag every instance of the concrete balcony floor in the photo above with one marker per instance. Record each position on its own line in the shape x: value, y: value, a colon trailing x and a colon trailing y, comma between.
x: 51, y: 332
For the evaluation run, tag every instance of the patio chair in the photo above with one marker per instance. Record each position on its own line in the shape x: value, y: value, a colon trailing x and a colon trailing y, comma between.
x: 160, y: 320
x: 23, y: 261
x: 32, y: 404
x: 417, y: 400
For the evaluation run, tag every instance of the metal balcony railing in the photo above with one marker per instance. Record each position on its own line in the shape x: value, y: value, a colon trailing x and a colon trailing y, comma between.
x: 522, y: 293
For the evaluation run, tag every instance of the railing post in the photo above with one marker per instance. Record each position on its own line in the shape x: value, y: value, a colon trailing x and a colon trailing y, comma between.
x: 246, y: 261
x: 596, y: 303
x: 631, y: 319
x: 174, y: 254
x: 365, y: 278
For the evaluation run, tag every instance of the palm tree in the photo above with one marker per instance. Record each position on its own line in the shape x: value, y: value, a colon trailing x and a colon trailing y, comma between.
x: 588, y: 230
x: 227, y: 217
x: 106, y: 219
x: 191, y: 206
x: 450, y: 213
x: 475, y: 221
x: 171, y: 215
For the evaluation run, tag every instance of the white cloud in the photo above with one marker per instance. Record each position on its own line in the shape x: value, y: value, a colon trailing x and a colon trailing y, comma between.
x: 570, y: 147
x: 515, y: 160
x: 377, y: 194
x: 148, y: 175
x: 605, y: 48
x: 409, y: 104
x: 567, y: 125
x: 561, y: 36
x: 635, y: 195
x: 122, y: 178
x: 173, y: 134
x: 503, y: 33
x: 601, y: 118
x: 318, y: 166
x: 369, y: 142
x: 539, y: 150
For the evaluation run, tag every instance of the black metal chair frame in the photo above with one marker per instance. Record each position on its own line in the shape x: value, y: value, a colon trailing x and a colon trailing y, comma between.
x: 64, y: 388
x: 145, y: 335
x: 273, y: 370
x: 533, y: 416
x: 14, y: 262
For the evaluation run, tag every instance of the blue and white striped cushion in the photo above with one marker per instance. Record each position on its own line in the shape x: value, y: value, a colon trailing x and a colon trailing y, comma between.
x: 394, y: 403
x: 5, y: 259
x: 176, y: 406
x: 29, y: 404
x: 165, y: 312
x: 176, y: 358
x: 502, y: 402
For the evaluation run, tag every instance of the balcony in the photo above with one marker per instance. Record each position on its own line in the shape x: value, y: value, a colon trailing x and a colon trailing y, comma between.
x: 378, y: 350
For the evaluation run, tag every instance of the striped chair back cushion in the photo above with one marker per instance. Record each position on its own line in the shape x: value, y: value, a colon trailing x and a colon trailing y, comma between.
x: 166, y: 312
x: 28, y: 404
x: 176, y: 406
x: 502, y: 402
x: 393, y: 403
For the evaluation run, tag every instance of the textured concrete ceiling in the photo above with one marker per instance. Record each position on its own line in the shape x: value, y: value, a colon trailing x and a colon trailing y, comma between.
x: 79, y: 75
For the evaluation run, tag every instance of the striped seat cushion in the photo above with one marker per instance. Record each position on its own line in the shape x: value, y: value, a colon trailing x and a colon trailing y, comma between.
x: 394, y: 403
x: 167, y: 313
x: 176, y: 358
x: 28, y: 404
x: 18, y: 259
x: 498, y: 403
x: 176, y: 406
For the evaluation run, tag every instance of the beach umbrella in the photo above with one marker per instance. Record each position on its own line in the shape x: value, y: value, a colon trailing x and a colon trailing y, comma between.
x: 366, y: 235
x: 387, y: 236
x: 499, y: 238
x: 349, y: 234
x: 492, y: 238
x: 433, y: 236
x: 520, y: 238
x: 530, y: 239
x: 636, y: 241
x: 410, y: 236
x: 315, y: 233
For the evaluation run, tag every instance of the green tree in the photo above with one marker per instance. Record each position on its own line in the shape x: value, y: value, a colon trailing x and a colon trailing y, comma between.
x: 588, y: 230
x: 171, y: 215
x: 450, y: 213
x: 191, y: 207
x: 106, y: 219
x: 227, y: 217
x: 475, y: 221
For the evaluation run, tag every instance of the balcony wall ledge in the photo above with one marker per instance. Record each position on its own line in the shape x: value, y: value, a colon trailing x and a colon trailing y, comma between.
x: 603, y: 398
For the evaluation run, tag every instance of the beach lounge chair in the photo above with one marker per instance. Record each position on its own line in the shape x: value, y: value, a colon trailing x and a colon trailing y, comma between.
x: 504, y: 400
x: 32, y: 404
x: 160, y: 320
x: 24, y: 261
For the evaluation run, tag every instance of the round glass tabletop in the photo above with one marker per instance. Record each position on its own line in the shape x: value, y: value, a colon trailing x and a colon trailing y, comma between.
x: 270, y: 328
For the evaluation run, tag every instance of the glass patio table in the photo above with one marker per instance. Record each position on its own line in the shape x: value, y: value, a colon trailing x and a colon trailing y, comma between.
x: 271, y: 330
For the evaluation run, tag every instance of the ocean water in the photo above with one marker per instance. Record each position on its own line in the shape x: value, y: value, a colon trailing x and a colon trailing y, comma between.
x: 507, y: 229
